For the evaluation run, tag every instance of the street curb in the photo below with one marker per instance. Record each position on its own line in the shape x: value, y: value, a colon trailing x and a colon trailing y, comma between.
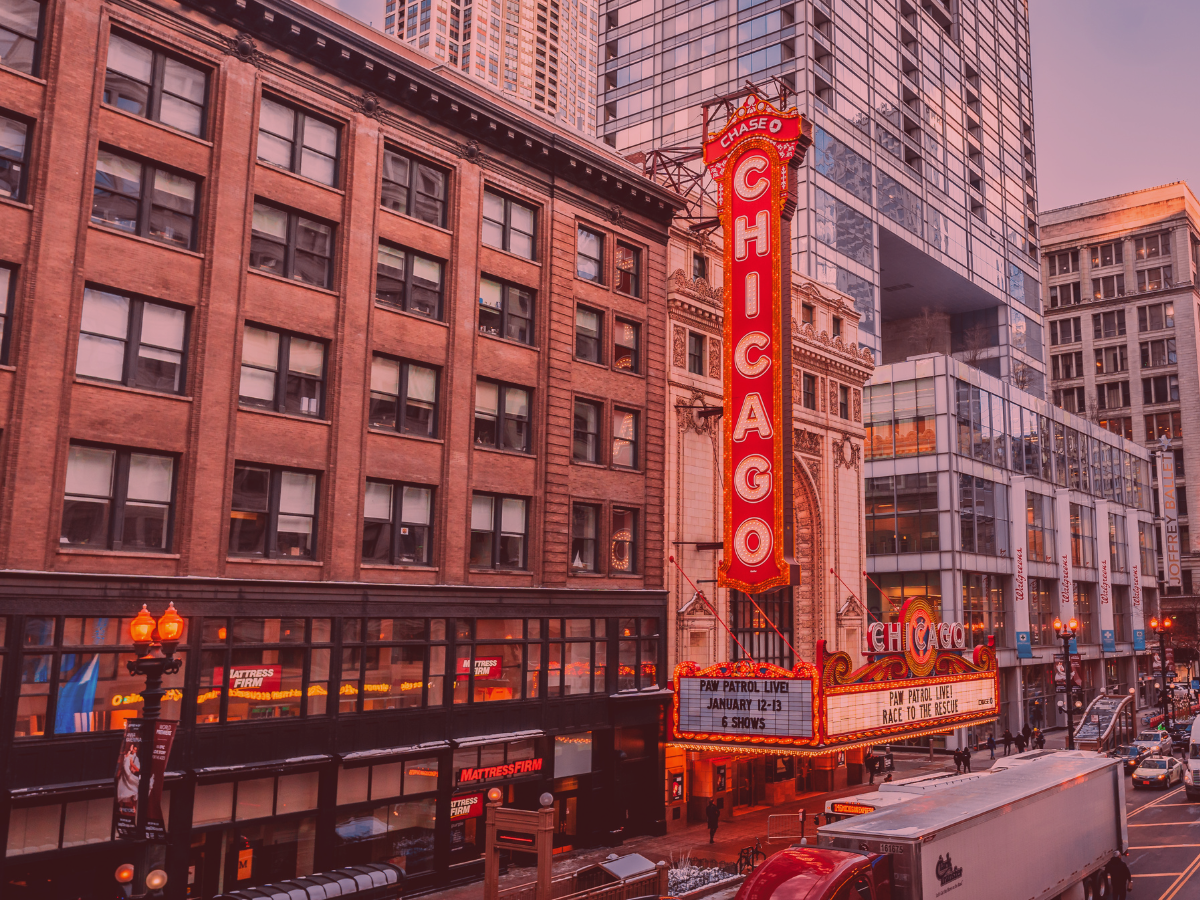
x: 707, y: 889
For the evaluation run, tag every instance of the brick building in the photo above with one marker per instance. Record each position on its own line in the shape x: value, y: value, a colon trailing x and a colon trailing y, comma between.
x: 296, y: 335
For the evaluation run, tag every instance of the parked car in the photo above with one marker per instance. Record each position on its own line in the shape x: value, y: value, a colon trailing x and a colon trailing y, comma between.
x: 1158, y: 771
x: 1130, y: 754
x: 1155, y: 742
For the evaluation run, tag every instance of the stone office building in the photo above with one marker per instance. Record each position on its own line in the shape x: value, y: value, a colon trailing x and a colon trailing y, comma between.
x: 295, y: 333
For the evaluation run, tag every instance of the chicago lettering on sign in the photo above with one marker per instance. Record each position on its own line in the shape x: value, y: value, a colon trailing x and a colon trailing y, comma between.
x: 749, y: 159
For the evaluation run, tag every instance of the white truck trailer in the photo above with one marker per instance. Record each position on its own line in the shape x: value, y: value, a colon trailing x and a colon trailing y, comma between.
x: 1034, y: 832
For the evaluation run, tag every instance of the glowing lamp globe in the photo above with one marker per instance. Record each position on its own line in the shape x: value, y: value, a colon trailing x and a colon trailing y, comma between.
x: 1057, y: 624
x: 141, y: 629
x: 1074, y: 625
x: 1154, y: 623
x: 494, y: 795
x: 156, y: 879
x: 124, y: 873
x: 1166, y: 621
x: 170, y: 626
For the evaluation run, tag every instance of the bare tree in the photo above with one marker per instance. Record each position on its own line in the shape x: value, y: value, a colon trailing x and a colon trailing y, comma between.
x: 977, y: 339
x: 1022, y: 375
x: 928, y: 325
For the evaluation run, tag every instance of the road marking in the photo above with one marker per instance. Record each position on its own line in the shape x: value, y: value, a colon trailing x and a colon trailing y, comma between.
x: 1181, y: 880
x: 1153, y: 802
x: 1156, y: 874
x: 1163, y: 846
x: 1157, y: 824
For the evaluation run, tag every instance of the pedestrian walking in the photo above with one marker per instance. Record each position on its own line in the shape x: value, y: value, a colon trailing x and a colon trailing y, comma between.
x: 714, y: 818
x: 1019, y: 740
x: 1026, y: 731
x: 991, y: 742
x: 958, y: 761
x: 1007, y: 741
x: 967, y: 758
x: 1119, y: 876
x: 872, y: 764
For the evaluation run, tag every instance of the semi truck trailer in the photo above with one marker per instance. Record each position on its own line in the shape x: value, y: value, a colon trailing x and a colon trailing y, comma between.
x: 1037, y: 831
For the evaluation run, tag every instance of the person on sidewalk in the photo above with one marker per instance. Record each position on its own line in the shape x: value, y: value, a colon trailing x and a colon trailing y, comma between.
x: 870, y: 762
x: 1007, y: 741
x: 714, y: 818
x: 1019, y: 740
x: 958, y: 762
x: 991, y: 744
x: 1026, y: 731
x: 967, y: 758
x: 1119, y: 876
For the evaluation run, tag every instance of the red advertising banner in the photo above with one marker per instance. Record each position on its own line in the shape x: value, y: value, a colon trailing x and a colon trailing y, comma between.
x: 250, y: 678
x: 129, y: 777
x: 468, y: 806
x: 750, y: 159
x: 485, y: 667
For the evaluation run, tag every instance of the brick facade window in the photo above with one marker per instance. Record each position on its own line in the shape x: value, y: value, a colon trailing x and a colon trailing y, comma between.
x: 625, y: 438
x: 586, y: 446
x: 629, y: 270
x: 1065, y: 295
x: 273, y: 512
x: 117, y: 499
x: 808, y: 391
x: 8, y: 293
x: 290, y: 245
x: 1107, y: 325
x: 502, y: 416
x: 1158, y: 353
x: 626, y: 340
x: 589, y: 329
x: 147, y: 82
x: 141, y: 199
x: 409, y: 281
x: 509, y: 225
x: 498, y: 531
x: 298, y: 141
x: 130, y: 341
x: 699, y: 266
x: 413, y: 187
x: 843, y: 401
x: 638, y: 653
x: 589, y: 255
x: 623, y: 541
x: 1160, y: 389
x: 695, y: 357
x: 20, y: 35
x: 578, y: 657
x: 282, y: 372
x: 585, y: 522
x: 14, y: 146
x: 505, y: 310
x: 403, y: 396
x: 1156, y: 316
x: 397, y: 524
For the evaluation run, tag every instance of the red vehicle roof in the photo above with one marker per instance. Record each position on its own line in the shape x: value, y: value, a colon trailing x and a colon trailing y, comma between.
x: 801, y: 873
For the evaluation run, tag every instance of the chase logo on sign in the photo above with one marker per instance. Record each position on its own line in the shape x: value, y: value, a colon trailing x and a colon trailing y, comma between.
x: 946, y: 871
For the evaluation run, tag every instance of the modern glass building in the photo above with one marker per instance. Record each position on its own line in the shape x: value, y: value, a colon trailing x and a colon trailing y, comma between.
x: 990, y: 501
x: 920, y: 193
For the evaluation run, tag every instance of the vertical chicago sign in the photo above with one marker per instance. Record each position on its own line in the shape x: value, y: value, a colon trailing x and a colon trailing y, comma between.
x: 749, y: 159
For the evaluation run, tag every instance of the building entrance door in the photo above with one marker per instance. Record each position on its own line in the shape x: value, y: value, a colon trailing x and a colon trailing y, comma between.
x: 749, y: 782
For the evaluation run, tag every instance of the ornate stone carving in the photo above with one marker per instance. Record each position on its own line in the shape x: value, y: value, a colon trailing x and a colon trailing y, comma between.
x: 833, y: 396
x: 243, y: 47
x: 687, y: 416
x: 368, y: 105
x: 679, y: 347
x: 857, y: 404
x: 714, y: 359
x: 814, y: 466
x: 804, y: 441
x: 614, y: 214
x: 695, y: 287
x: 846, y: 453
x: 470, y: 151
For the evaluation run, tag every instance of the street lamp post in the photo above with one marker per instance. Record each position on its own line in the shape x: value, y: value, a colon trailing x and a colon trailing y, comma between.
x: 1162, y: 628
x: 1065, y: 634
x: 155, y: 644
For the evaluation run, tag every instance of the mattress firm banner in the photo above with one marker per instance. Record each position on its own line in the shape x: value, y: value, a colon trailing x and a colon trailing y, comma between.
x: 749, y: 160
x: 1168, y: 503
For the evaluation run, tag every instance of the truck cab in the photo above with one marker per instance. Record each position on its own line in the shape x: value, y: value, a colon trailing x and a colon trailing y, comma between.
x: 893, y: 792
x: 1191, y: 778
x: 811, y: 873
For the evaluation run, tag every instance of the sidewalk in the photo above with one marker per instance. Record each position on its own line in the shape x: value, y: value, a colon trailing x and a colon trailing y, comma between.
x: 731, y: 837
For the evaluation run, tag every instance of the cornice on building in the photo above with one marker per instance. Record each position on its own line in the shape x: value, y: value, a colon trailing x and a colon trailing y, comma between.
x: 389, y: 74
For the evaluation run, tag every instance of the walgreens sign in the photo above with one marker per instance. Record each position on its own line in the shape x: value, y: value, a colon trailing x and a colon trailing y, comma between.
x: 749, y: 160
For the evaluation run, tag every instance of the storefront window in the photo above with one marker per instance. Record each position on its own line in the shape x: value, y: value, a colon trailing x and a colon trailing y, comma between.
x: 492, y: 669
x: 1041, y: 611
x: 1038, y: 693
x: 897, y: 587
x: 270, y: 851
x: 577, y: 656
x: 397, y: 833
x: 36, y: 829
x: 572, y: 754
x: 397, y: 668
x: 638, y: 659
x: 983, y: 609
x: 1082, y: 595
x: 73, y: 686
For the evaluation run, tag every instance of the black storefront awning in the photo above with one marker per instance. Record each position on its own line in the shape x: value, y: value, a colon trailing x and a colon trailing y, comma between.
x: 375, y: 881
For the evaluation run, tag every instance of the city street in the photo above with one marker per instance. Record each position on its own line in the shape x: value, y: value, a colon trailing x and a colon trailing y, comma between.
x: 1164, y: 844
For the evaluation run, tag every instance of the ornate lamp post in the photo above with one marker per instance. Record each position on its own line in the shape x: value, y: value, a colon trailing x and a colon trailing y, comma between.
x: 1162, y: 628
x: 155, y: 644
x: 1065, y: 634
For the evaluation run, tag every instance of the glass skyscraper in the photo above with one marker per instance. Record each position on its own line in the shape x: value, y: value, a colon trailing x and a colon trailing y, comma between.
x: 919, y: 196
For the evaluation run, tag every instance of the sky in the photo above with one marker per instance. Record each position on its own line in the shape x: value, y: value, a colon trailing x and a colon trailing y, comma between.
x: 1113, y: 94
x: 1113, y: 88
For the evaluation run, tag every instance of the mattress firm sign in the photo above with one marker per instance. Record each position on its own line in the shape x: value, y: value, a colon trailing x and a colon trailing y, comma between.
x: 896, y: 705
x: 752, y: 707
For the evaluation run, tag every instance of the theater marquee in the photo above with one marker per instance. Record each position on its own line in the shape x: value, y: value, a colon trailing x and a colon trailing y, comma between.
x: 749, y: 159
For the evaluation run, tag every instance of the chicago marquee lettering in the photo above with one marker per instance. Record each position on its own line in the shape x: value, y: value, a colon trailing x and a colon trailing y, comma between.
x: 749, y: 160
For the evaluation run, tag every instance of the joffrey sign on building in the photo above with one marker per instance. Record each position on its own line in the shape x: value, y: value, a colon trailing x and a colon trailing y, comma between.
x: 750, y: 160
